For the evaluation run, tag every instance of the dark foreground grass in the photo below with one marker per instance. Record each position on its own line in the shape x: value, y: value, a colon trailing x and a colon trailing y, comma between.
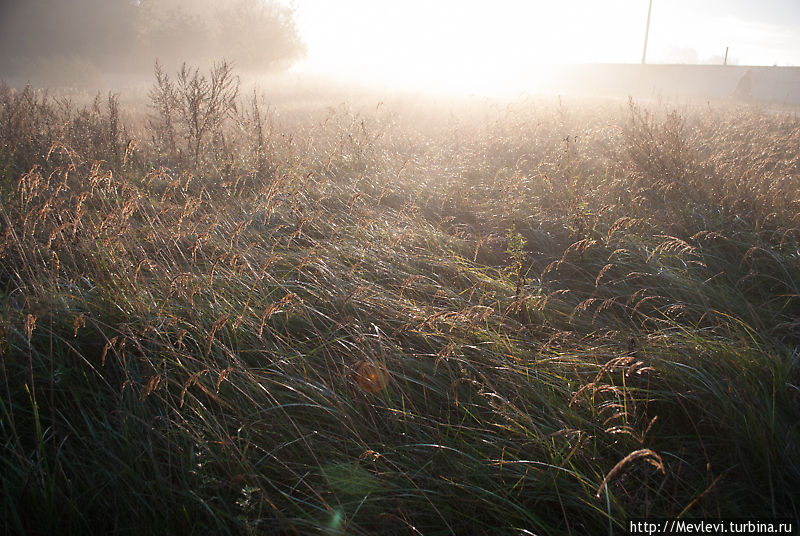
x: 539, y: 319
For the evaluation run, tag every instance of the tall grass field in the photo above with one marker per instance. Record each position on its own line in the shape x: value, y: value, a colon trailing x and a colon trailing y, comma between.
x: 226, y: 314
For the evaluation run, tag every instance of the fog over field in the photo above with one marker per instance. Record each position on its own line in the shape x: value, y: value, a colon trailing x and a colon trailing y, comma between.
x: 366, y: 268
x: 451, y: 47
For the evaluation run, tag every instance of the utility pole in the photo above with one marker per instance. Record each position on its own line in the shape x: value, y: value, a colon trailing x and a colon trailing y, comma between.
x: 725, y: 61
x: 647, y: 32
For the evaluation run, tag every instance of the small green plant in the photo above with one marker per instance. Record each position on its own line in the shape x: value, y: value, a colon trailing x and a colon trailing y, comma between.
x: 516, y: 250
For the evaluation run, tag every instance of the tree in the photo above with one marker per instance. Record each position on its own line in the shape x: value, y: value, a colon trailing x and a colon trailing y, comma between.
x: 127, y: 36
x: 256, y: 35
x: 43, y: 32
x: 259, y: 36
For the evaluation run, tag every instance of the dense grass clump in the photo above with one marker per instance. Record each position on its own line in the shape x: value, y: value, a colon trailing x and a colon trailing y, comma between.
x: 544, y: 318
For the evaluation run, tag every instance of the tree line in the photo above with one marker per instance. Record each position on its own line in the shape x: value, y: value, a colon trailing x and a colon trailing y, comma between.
x: 125, y: 37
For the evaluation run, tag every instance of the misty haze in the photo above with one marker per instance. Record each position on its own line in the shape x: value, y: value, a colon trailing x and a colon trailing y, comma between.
x: 372, y: 267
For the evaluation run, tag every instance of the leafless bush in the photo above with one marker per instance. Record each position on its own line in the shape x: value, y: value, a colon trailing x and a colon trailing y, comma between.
x: 193, y: 106
x: 38, y: 130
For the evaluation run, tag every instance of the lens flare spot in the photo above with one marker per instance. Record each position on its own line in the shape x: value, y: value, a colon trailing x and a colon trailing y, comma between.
x: 371, y: 377
x: 336, y: 520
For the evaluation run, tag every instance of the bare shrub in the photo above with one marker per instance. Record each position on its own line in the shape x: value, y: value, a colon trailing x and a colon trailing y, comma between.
x: 194, y: 107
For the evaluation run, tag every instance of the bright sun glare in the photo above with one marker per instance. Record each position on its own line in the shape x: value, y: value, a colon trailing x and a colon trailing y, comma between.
x: 467, y: 46
x: 462, y: 46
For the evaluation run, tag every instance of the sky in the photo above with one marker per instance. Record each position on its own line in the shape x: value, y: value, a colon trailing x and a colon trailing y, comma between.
x: 451, y: 44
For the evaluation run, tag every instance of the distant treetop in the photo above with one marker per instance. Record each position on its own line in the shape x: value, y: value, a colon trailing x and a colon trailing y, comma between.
x: 66, y: 42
